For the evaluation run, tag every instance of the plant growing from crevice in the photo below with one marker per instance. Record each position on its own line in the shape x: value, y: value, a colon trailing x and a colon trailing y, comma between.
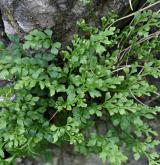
x: 61, y: 95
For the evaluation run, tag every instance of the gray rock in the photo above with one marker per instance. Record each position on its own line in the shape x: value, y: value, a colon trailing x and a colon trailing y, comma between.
x: 2, y: 33
x: 24, y: 15
x: 68, y: 157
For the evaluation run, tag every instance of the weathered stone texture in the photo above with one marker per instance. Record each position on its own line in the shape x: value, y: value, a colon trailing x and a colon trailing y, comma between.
x: 24, y: 15
x: 68, y: 157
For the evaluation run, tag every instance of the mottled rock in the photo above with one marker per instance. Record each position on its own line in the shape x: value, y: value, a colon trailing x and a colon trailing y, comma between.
x: 24, y: 15
x: 68, y: 157
x: 2, y: 33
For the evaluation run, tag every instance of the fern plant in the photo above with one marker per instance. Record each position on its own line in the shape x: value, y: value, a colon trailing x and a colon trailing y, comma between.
x: 57, y: 96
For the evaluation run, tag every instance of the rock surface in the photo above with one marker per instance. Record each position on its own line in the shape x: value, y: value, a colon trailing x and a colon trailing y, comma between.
x: 24, y: 15
x: 2, y: 33
x: 68, y: 157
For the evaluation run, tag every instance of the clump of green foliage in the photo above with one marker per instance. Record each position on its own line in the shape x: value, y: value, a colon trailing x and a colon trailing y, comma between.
x: 62, y: 95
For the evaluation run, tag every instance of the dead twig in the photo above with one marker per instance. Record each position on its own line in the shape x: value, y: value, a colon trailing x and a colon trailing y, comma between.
x: 137, y: 98
x: 132, y: 14
x: 126, y: 50
x: 126, y: 66
x: 53, y: 116
x: 153, y: 99
x: 130, y: 3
